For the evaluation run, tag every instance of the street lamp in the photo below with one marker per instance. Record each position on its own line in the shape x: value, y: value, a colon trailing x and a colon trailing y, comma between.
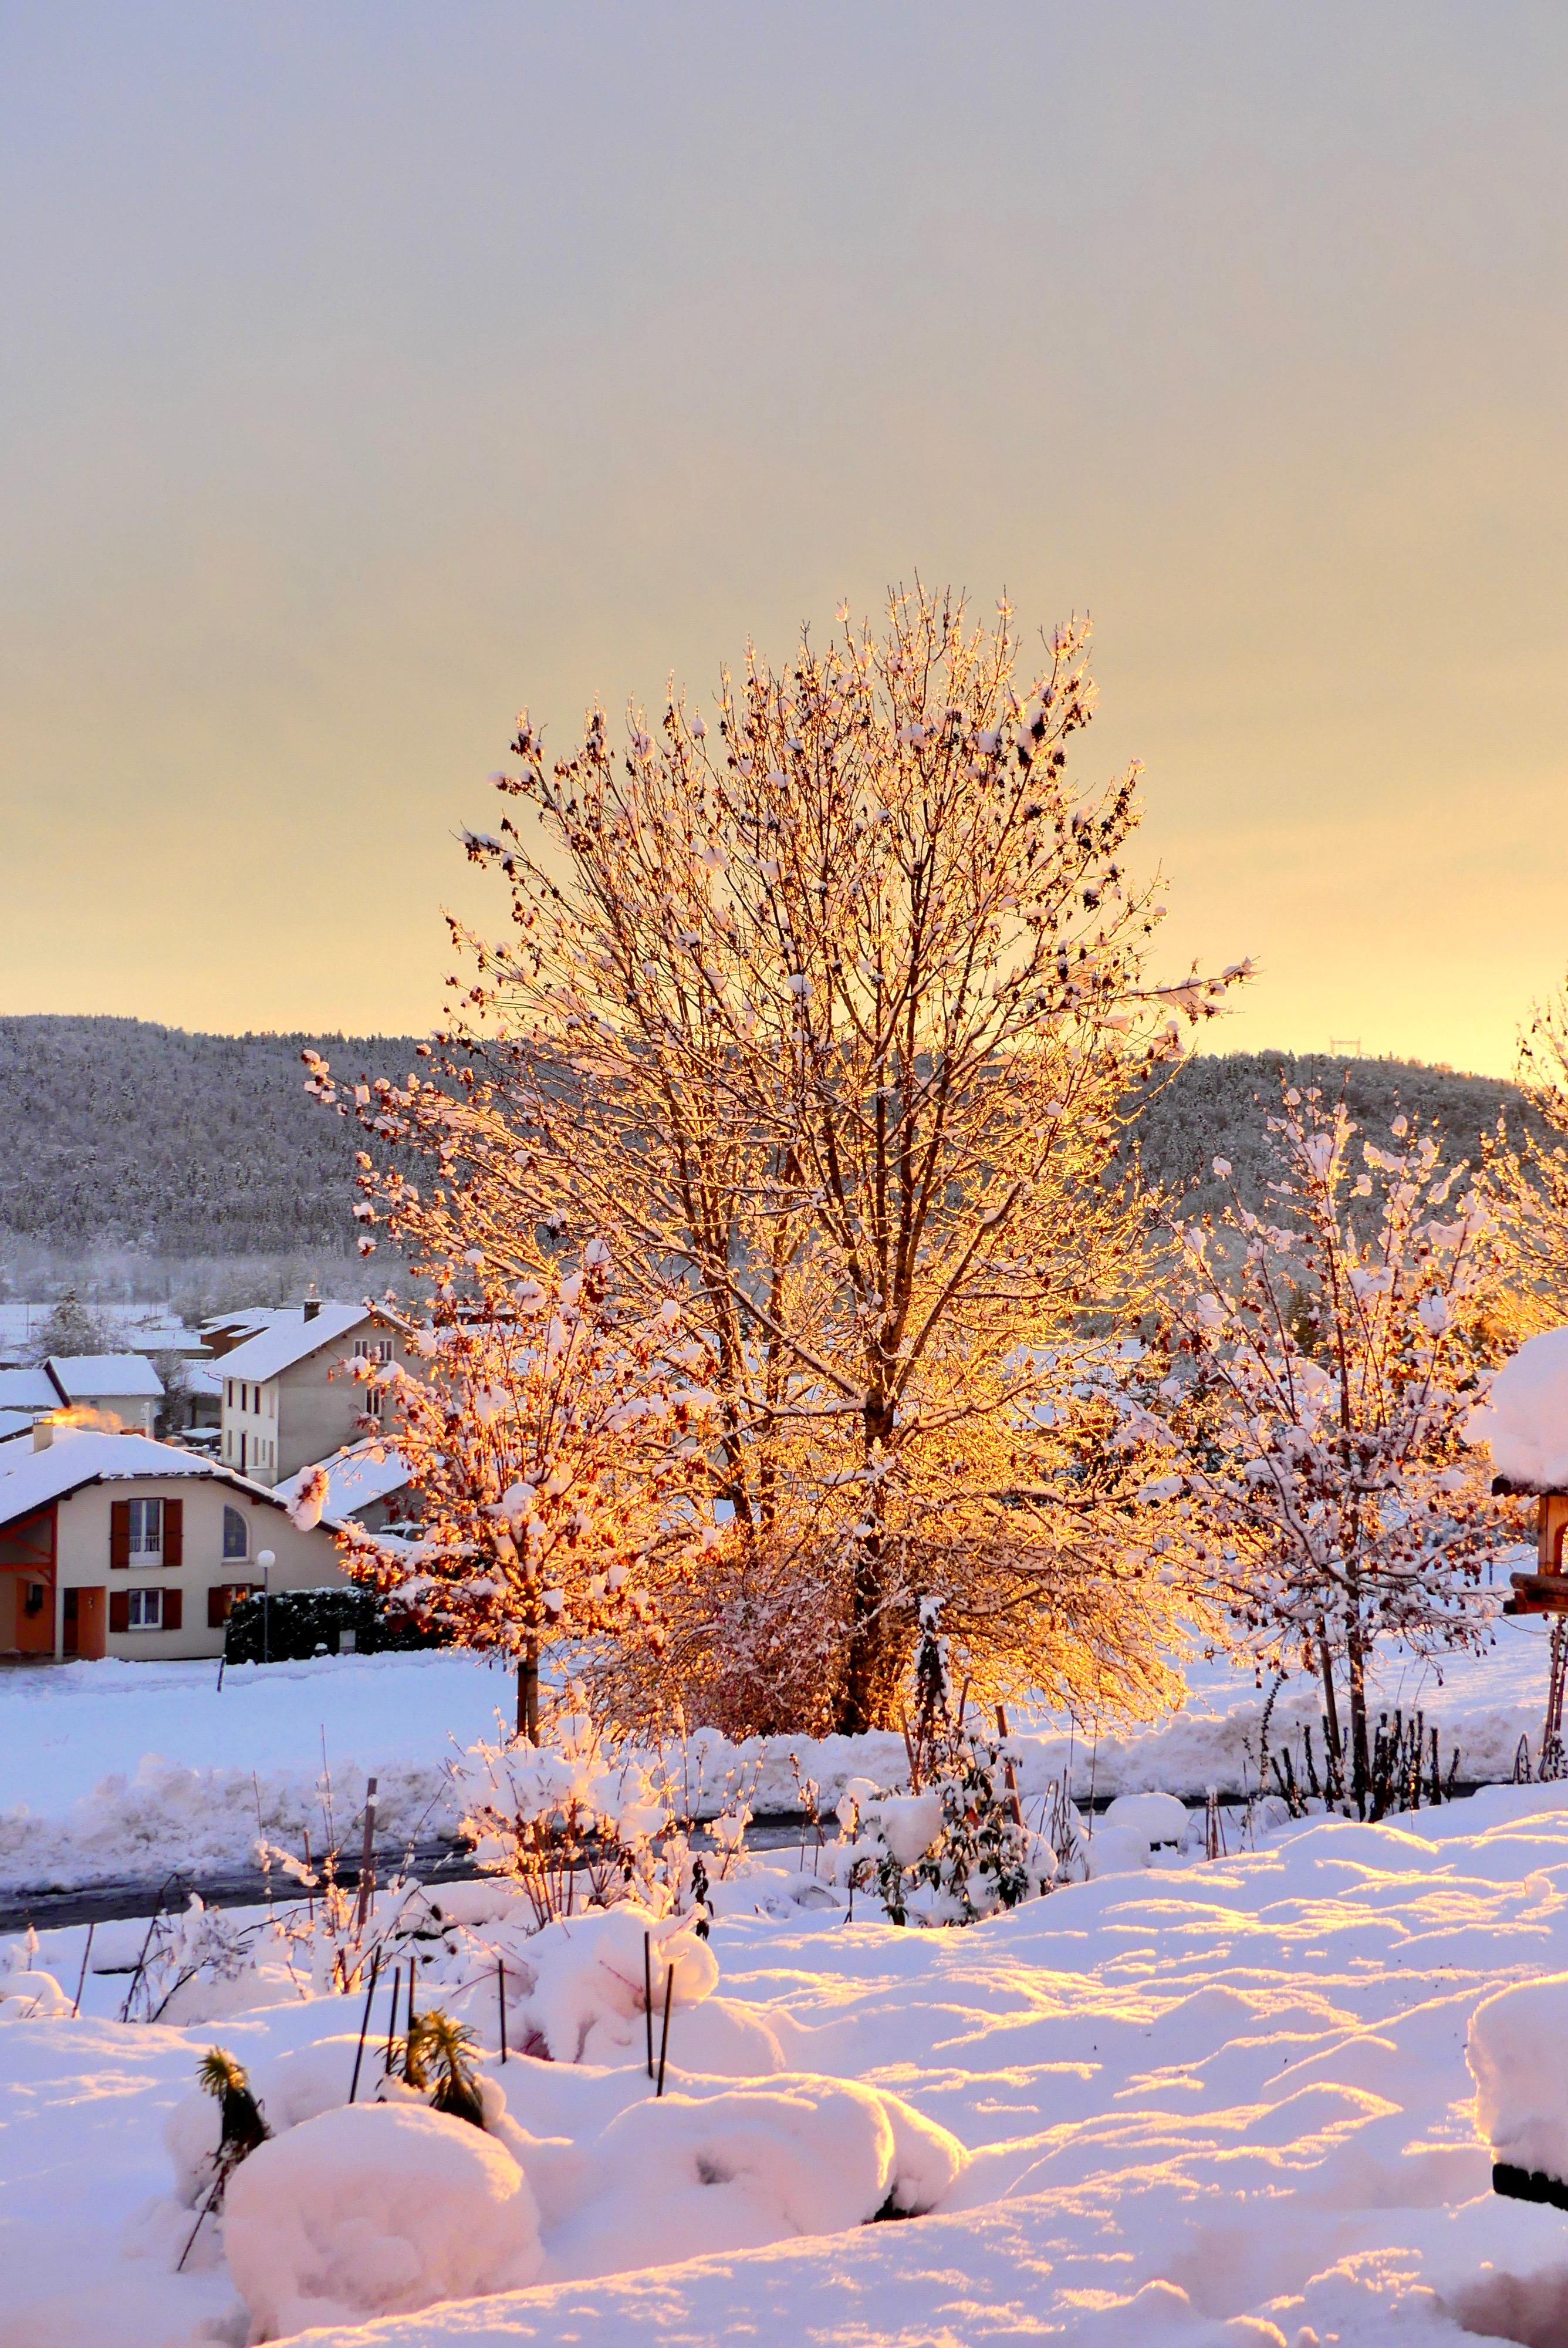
x: 266, y: 1560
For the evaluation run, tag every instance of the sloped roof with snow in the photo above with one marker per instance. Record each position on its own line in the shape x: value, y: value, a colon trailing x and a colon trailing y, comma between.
x: 1525, y: 1417
x: 27, y: 1390
x: 357, y: 1476
x: 290, y: 1339
x: 93, y: 1377
x: 75, y: 1456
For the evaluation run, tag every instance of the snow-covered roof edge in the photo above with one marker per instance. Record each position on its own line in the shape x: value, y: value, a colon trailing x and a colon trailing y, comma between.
x: 1524, y: 1418
x: 77, y: 1456
x: 274, y: 1350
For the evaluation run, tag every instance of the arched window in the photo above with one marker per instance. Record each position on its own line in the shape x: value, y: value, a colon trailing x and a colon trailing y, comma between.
x: 236, y: 1534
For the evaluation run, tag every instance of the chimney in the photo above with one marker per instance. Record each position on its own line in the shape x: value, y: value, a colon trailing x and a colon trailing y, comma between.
x: 43, y: 1434
x: 312, y: 1302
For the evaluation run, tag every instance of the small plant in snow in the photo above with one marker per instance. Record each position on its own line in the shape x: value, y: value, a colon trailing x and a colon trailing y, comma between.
x: 436, y: 2061
x: 572, y: 1823
x: 955, y: 1848
x: 242, y: 2126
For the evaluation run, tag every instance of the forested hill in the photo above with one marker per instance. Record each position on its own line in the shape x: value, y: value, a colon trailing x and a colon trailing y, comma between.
x: 116, y: 1133
x: 1218, y: 1105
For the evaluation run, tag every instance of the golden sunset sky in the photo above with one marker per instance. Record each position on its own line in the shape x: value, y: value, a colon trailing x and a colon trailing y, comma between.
x: 371, y: 371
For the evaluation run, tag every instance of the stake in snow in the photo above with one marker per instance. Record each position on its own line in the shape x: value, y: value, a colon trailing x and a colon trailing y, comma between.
x: 825, y: 1018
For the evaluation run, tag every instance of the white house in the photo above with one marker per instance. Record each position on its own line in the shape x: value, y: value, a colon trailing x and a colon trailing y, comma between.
x: 113, y: 1544
x: 117, y: 1386
x: 120, y: 1386
x: 289, y: 1395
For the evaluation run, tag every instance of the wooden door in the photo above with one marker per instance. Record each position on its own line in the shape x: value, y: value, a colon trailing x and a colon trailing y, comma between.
x: 92, y: 1622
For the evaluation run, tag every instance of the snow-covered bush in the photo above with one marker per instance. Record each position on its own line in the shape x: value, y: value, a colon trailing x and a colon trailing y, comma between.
x: 955, y: 1847
x: 376, y: 2210
x: 1516, y: 2050
x: 196, y: 1964
x: 585, y: 1819
x: 571, y: 1823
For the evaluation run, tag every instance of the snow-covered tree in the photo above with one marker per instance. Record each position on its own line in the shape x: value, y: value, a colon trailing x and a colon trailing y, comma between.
x: 827, y: 1016
x: 1526, y: 1179
x: 1324, y: 1373
x: 552, y: 1458
x: 71, y: 1330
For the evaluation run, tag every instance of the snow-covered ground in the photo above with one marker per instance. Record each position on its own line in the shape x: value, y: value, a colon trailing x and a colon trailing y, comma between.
x: 1199, y: 2103
x: 114, y: 1769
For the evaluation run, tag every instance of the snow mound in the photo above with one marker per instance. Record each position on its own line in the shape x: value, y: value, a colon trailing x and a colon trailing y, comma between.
x: 1517, y: 2055
x: 32, y: 1995
x: 681, y: 2177
x: 1525, y: 1417
x: 910, y: 1824
x: 582, y: 1982
x: 376, y: 2209
x: 1158, y: 1818
x: 1116, y: 1849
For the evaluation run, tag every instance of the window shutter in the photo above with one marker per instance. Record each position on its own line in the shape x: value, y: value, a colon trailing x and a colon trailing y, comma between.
x: 173, y: 1532
x: 217, y: 1613
x: 173, y: 1608
x: 119, y: 1544
x: 119, y: 1609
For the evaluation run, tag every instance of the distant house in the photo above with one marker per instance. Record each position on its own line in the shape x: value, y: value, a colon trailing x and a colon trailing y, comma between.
x: 117, y: 1386
x: 113, y: 1544
x: 288, y: 1397
x: 120, y: 1386
x: 221, y: 1332
x: 366, y: 1484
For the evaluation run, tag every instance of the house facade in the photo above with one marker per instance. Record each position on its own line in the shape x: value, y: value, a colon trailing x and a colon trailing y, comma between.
x: 289, y: 1396
x: 112, y: 1544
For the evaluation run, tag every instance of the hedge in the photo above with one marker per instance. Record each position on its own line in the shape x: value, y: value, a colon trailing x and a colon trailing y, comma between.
x: 298, y: 1621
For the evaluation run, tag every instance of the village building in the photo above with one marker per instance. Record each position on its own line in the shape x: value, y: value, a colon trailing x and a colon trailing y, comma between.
x: 124, y: 1387
x: 1524, y: 1421
x: 289, y: 1395
x: 121, y: 1386
x: 367, y: 1485
x: 111, y: 1544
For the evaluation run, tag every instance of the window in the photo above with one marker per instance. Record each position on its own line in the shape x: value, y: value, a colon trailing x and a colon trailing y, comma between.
x: 146, y: 1529
x: 236, y: 1534
x: 373, y: 1349
x: 144, y: 1606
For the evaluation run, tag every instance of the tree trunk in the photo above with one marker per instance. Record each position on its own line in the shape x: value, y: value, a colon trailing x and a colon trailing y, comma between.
x: 1360, y: 1759
x: 1330, y: 1705
x: 874, y: 1664
x: 871, y: 1667
x: 528, y: 1691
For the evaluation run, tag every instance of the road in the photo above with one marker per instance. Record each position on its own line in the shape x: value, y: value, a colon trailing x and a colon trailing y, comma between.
x: 433, y: 1862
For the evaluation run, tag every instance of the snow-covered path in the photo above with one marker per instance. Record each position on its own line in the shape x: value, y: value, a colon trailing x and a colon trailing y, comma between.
x: 1222, y: 2101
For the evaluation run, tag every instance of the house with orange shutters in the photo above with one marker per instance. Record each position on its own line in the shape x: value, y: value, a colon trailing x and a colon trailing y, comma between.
x: 113, y: 1544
